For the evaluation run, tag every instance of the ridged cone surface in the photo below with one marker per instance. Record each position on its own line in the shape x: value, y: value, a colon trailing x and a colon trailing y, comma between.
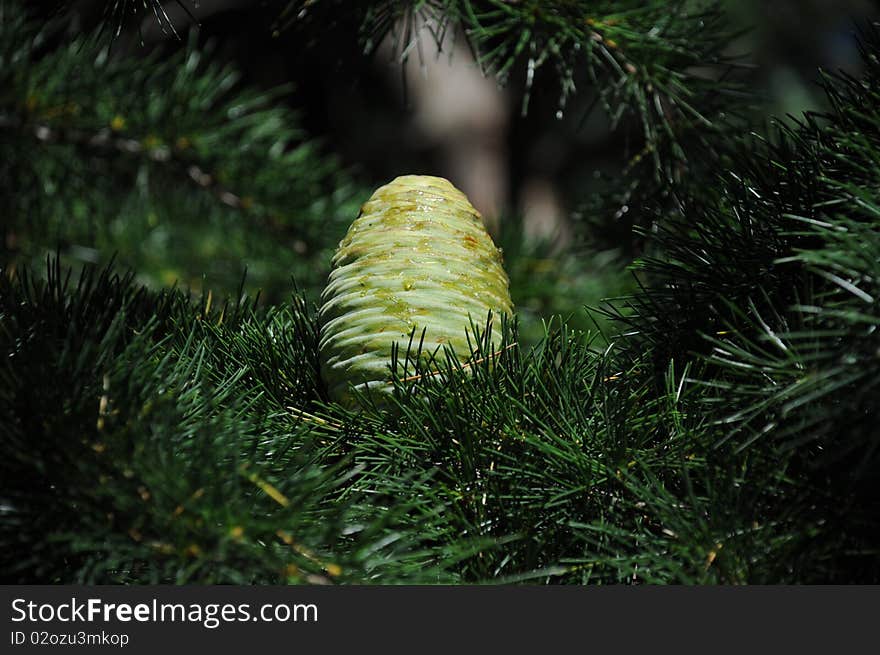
x: 417, y: 257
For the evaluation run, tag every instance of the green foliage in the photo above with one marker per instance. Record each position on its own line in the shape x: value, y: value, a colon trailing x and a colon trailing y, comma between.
x: 662, y: 63
x: 728, y: 435
x: 165, y: 162
x: 773, y: 286
x: 179, y: 442
x: 164, y: 449
x: 547, y: 280
x: 659, y: 62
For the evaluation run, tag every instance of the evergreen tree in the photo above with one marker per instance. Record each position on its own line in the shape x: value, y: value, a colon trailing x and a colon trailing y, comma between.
x: 721, y: 429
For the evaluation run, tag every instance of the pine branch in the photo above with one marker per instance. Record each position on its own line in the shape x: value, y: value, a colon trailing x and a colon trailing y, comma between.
x: 97, y: 148
x: 639, y: 58
x: 770, y: 281
x: 163, y: 450
x: 553, y: 464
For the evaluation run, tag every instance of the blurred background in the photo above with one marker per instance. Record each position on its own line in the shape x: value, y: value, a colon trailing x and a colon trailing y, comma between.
x: 534, y: 175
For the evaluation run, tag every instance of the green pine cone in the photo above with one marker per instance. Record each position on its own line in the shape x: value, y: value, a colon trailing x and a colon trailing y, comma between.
x: 417, y: 257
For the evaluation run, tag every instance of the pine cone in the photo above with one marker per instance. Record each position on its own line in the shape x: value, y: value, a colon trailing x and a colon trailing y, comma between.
x: 416, y: 258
